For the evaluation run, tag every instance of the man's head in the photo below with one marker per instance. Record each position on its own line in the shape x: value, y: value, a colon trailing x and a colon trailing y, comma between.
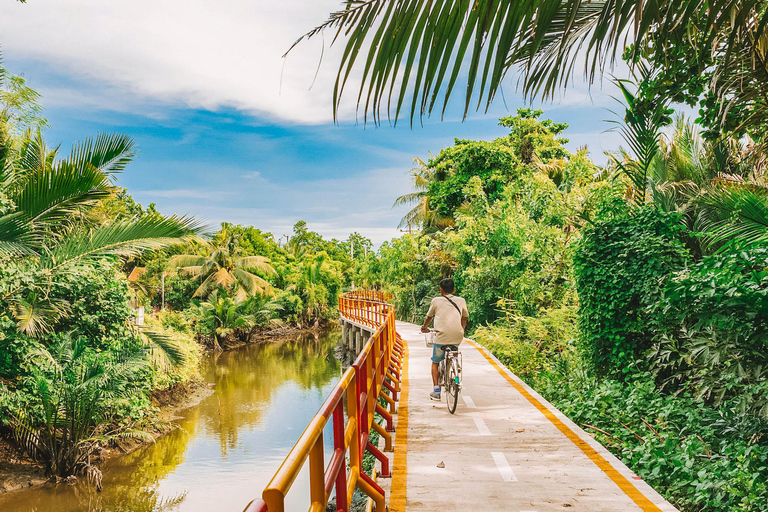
x: 447, y: 286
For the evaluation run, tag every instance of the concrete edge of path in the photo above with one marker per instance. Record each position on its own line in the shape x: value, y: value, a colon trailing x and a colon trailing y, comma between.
x: 657, y: 501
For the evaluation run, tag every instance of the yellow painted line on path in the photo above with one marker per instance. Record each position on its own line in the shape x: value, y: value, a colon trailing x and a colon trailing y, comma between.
x: 399, y: 488
x: 625, y: 485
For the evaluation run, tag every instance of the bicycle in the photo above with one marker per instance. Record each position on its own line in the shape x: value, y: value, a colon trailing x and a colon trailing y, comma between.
x: 451, y: 379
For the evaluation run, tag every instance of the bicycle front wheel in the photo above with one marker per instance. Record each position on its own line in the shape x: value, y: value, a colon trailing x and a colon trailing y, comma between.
x: 452, y: 385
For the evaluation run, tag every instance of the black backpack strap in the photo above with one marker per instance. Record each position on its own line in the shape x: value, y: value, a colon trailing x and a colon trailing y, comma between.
x: 454, y: 304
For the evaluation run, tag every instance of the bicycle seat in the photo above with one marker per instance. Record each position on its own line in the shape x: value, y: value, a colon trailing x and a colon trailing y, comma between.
x: 452, y: 348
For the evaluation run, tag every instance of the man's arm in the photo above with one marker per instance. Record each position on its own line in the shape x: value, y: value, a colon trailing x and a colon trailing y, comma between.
x: 464, y: 323
x: 427, y: 321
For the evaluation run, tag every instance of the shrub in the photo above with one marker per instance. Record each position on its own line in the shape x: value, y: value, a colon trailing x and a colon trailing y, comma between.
x: 698, y: 457
x: 75, y: 391
x: 714, y: 341
x: 621, y: 266
x: 528, y: 345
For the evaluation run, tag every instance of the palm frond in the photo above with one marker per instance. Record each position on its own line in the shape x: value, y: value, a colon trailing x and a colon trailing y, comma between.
x: 125, y: 238
x: 734, y: 215
x: 185, y: 260
x: 418, y: 51
x: 17, y: 237
x: 36, y: 316
x: 167, y: 344
x: 256, y: 263
x: 251, y: 283
x: 408, y: 199
x: 53, y: 194
x: 106, y: 153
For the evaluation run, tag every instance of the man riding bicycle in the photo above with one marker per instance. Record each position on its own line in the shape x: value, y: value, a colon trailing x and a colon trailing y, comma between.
x: 450, y: 314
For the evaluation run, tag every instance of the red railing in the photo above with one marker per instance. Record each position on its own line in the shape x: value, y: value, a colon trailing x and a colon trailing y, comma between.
x: 376, y: 368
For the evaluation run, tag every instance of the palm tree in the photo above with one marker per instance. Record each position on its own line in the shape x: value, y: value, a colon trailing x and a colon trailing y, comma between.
x: 45, y: 216
x: 717, y: 186
x: 226, y: 316
x: 51, y: 198
x: 421, y: 215
x: 419, y: 50
x: 222, y: 267
x: 76, y: 391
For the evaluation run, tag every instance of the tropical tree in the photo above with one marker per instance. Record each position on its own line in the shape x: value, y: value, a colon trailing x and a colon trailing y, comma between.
x: 421, y: 215
x: 50, y: 198
x: 224, y: 315
x: 224, y: 267
x: 717, y: 185
x: 76, y: 390
x: 414, y: 52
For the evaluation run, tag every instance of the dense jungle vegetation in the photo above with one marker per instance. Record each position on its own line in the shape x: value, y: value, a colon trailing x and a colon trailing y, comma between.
x: 632, y: 296
x: 640, y: 313
x: 105, y: 302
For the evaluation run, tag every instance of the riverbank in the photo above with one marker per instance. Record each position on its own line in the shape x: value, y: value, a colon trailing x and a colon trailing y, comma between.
x: 220, y: 449
x: 19, y: 471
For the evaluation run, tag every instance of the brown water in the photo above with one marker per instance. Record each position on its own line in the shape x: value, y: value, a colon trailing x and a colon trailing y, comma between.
x: 226, y: 448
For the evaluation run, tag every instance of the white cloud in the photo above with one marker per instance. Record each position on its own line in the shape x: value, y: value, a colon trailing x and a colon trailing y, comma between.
x: 198, y: 53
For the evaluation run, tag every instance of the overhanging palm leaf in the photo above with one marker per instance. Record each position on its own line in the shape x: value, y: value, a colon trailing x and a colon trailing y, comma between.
x: 127, y: 238
x: 52, y: 195
x: 418, y: 49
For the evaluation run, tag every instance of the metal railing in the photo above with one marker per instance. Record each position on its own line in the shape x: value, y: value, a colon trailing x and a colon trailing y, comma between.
x: 350, y: 408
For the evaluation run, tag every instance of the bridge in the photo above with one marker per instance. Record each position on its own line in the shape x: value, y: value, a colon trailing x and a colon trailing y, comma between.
x: 506, y: 448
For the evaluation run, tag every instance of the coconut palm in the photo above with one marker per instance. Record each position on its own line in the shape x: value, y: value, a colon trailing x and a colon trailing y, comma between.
x: 225, y: 314
x: 414, y: 53
x: 223, y: 267
x: 50, y: 199
x: 718, y: 186
x: 421, y: 215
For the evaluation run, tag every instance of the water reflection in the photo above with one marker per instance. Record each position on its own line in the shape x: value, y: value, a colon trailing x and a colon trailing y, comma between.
x: 225, y: 449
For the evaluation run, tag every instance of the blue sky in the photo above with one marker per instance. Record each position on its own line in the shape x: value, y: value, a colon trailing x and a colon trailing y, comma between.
x: 226, y: 128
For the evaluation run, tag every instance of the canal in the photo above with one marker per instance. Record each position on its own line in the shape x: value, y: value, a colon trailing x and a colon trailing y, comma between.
x: 225, y: 449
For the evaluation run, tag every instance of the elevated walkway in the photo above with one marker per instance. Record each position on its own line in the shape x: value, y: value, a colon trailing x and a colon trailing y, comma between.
x: 505, y: 449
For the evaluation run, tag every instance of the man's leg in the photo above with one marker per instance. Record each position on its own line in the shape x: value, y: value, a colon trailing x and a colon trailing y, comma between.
x: 438, y: 354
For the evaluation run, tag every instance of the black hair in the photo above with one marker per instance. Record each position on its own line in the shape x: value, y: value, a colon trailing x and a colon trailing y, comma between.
x: 447, y: 285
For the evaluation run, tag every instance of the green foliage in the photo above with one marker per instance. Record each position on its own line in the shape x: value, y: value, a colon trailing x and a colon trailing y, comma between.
x: 621, y: 267
x: 495, y: 164
x: 698, y: 457
x: 528, y: 345
x: 75, y: 398
x: 714, y: 340
x: 98, y: 298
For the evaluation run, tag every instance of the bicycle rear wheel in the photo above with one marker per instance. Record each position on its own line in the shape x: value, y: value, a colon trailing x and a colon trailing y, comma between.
x: 452, y: 385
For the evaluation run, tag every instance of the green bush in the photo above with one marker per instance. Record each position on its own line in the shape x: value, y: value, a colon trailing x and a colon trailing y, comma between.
x: 99, y: 303
x: 621, y: 267
x: 700, y: 458
x: 714, y: 340
x: 529, y: 345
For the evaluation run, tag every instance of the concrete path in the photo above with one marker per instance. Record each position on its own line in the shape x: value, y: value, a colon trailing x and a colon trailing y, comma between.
x: 506, y: 448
